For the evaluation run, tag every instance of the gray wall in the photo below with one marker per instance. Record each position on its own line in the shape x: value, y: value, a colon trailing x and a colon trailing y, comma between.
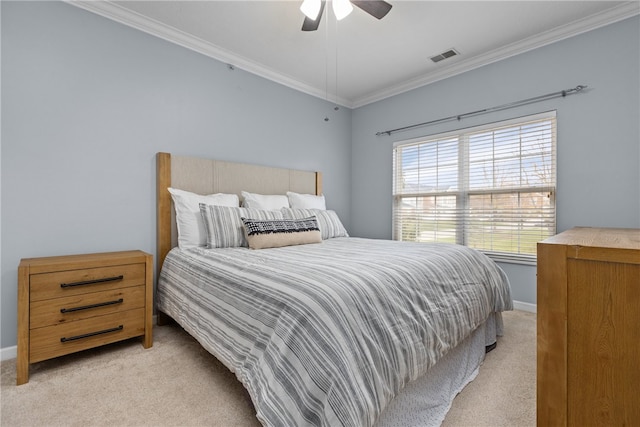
x: 598, y: 131
x: 87, y: 103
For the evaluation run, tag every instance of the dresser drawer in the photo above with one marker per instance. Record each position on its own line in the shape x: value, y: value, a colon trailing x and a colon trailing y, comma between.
x: 56, y: 340
x: 75, y: 282
x: 79, y: 307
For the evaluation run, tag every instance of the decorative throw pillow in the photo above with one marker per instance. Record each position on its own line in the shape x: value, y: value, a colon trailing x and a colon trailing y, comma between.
x: 306, y: 201
x: 224, y: 226
x: 264, y: 201
x: 191, y: 232
x: 262, y: 234
x: 328, y: 221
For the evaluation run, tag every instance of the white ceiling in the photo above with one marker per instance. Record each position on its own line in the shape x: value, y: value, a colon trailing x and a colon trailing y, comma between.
x: 360, y: 60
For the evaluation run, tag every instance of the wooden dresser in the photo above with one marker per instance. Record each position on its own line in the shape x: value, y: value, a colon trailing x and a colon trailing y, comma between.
x: 589, y: 328
x: 72, y: 303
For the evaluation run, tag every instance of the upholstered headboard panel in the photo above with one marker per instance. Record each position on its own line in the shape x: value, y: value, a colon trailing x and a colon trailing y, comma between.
x: 207, y: 176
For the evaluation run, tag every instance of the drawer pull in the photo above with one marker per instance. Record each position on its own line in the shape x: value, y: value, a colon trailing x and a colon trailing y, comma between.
x: 91, y: 334
x: 87, y: 307
x: 91, y: 282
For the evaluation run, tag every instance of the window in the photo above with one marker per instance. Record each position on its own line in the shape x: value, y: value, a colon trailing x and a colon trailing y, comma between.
x: 490, y: 187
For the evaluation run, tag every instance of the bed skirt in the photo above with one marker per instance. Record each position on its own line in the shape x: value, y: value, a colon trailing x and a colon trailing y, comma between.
x: 426, y: 401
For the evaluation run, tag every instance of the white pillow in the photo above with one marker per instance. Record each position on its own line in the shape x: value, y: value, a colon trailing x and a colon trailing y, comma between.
x: 264, y: 202
x: 306, y: 201
x: 191, y: 231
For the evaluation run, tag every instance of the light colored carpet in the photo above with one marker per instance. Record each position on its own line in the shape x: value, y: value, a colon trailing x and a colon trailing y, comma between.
x: 177, y: 383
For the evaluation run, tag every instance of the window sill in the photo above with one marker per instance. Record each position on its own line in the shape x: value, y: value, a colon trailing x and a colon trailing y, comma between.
x: 512, y: 258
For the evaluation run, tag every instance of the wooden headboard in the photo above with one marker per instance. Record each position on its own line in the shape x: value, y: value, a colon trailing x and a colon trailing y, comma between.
x: 207, y: 176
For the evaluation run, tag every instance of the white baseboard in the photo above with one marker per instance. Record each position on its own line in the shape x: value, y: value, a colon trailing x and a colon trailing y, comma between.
x: 8, y: 353
x: 525, y: 306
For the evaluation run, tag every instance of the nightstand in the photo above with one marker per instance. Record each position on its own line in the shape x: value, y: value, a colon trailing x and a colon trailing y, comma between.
x: 76, y: 302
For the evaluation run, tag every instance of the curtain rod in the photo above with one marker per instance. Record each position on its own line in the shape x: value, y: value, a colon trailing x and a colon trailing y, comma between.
x: 458, y: 117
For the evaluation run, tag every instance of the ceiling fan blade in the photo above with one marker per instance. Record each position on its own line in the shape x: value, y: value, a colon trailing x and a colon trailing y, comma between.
x: 312, y: 24
x: 375, y: 8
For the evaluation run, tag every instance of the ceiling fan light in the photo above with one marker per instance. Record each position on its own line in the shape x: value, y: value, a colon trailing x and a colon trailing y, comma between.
x: 311, y: 8
x: 341, y: 8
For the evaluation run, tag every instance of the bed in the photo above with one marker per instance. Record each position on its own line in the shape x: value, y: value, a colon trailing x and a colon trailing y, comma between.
x: 341, y: 332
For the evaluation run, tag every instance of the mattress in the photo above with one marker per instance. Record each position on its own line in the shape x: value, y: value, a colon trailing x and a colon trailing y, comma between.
x: 330, y: 334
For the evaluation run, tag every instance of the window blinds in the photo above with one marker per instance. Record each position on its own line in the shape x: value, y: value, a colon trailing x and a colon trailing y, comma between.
x: 490, y: 187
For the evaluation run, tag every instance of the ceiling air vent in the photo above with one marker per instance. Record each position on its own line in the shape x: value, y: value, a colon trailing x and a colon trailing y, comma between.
x: 444, y: 55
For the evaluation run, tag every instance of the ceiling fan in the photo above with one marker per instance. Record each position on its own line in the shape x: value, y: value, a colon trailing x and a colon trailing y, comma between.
x: 313, y: 10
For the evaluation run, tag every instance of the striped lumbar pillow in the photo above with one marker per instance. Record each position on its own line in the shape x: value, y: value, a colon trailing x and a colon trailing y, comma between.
x: 262, y: 234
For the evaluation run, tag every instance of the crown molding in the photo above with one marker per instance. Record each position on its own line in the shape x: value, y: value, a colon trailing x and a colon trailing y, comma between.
x: 158, y: 29
x: 140, y: 22
x: 619, y: 13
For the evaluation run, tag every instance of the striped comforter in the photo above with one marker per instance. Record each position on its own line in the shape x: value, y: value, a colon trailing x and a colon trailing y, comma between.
x: 327, y: 334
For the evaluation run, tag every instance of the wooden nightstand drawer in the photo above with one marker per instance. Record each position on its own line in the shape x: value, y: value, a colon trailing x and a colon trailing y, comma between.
x: 76, y: 282
x: 56, y: 340
x: 79, y: 307
x: 76, y: 302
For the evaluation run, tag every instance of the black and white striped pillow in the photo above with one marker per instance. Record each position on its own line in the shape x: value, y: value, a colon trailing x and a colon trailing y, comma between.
x: 224, y: 224
x: 262, y: 234
x: 328, y: 221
